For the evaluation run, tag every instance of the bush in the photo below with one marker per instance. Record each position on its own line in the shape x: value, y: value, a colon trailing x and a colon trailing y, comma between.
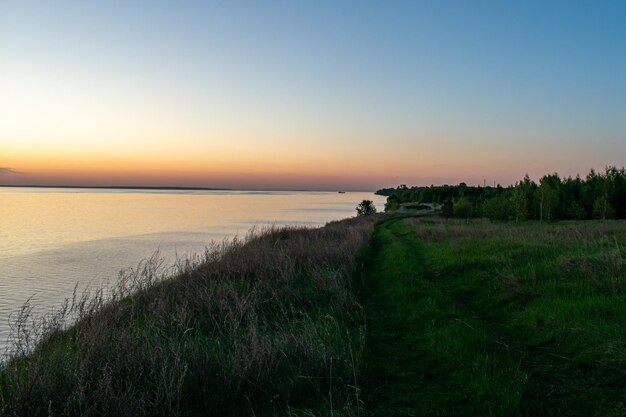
x: 498, y: 208
x: 462, y: 208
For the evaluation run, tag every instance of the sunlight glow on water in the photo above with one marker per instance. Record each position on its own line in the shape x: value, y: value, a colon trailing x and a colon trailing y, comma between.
x: 52, y: 239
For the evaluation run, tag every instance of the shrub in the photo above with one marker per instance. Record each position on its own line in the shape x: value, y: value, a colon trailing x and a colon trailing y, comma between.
x: 462, y: 208
x: 498, y: 208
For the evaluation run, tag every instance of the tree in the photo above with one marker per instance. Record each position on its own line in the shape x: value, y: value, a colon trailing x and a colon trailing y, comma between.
x: 549, y: 196
x: 520, y: 202
x: 365, y: 208
x: 601, y: 195
x: 602, y: 209
x: 393, y: 203
x: 530, y: 190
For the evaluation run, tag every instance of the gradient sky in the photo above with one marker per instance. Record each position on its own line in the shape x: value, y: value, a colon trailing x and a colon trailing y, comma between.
x: 309, y: 95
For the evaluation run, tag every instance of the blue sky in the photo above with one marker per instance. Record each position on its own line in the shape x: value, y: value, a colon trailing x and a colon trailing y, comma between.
x: 352, y: 94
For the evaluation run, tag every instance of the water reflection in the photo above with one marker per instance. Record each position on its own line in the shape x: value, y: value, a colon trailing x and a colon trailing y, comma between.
x: 52, y: 239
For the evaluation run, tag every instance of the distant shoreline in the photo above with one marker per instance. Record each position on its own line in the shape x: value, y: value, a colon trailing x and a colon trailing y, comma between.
x: 139, y: 187
x: 118, y: 187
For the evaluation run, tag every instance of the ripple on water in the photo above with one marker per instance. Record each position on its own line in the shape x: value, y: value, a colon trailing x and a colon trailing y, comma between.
x: 48, y: 278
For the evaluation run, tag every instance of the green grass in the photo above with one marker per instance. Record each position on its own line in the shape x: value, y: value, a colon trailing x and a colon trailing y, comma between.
x: 482, y: 319
x: 432, y: 318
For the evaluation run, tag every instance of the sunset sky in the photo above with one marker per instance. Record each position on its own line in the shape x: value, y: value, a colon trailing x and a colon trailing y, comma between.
x: 309, y: 95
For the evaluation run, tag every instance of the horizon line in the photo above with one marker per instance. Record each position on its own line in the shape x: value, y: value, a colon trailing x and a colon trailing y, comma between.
x: 174, y: 188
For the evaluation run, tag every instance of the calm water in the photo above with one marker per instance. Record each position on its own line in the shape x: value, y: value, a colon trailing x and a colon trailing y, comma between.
x: 52, y: 239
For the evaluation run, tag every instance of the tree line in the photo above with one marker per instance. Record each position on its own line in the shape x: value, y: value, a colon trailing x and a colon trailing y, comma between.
x: 600, y: 195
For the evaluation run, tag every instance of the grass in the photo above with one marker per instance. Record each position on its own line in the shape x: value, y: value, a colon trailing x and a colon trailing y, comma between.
x: 486, y: 319
x: 267, y: 325
x: 433, y: 318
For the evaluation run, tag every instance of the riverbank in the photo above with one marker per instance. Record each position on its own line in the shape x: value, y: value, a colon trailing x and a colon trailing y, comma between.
x: 268, y: 325
x: 54, y: 239
x: 370, y: 316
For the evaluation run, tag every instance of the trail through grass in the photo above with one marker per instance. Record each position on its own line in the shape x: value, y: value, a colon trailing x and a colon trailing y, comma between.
x: 495, y: 320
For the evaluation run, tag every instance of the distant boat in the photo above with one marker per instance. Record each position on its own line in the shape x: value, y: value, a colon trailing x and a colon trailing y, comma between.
x: 341, y: 192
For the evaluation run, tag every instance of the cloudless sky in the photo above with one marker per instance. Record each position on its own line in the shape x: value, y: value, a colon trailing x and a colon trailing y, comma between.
x: 309, y: 95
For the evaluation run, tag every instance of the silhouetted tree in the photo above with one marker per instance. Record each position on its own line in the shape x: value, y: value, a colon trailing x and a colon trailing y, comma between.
x: 393, y: 203
x: 520, y: 202
x: 600, y: 195
x: 549, y: 195
x: 365, y: 207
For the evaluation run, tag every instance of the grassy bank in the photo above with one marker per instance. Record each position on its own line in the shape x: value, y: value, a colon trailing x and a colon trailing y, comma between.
x: 483, y: 319
x: 268, y: 325
x: 433, y: 318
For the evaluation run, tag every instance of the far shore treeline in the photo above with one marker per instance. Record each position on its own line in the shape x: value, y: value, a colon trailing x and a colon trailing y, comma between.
x: 600, y: 195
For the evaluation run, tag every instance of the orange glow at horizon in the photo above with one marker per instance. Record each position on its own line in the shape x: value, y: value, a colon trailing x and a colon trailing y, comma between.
x: 282, y: 170
x: 60, y: 132
x: 110, y: 93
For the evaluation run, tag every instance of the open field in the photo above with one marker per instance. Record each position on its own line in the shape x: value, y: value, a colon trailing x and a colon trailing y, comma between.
x: 487, y: 319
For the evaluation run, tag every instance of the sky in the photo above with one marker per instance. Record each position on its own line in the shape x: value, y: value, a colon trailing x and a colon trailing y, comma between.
x: 351, y: 95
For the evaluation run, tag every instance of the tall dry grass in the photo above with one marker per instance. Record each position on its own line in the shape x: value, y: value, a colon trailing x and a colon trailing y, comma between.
x: 265, y: 325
